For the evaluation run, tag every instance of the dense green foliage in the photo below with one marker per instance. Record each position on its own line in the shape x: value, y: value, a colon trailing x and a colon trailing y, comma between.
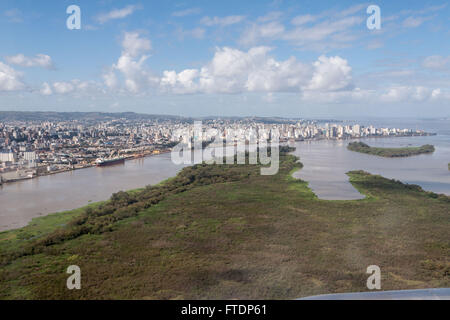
x: 390, y: 152
x: 225, y: 231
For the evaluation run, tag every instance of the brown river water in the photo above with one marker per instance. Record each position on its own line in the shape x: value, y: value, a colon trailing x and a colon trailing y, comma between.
x: 325, y: 165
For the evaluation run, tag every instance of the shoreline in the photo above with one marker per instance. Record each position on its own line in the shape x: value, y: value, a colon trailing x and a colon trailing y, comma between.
x: 149, y: 235
x: 3, y: 181
x: 75, y: 168
x: 163, y: 181
x: 103, y: 199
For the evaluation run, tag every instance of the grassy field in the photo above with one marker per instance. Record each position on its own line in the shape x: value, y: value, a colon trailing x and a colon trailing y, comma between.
x: 226, y: 232
x: 390, y: 152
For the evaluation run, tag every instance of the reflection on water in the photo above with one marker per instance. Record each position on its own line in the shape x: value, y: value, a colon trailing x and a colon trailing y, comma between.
x: 326, y: 164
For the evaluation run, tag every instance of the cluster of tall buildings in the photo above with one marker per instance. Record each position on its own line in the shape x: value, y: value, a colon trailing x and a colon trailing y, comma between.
x: 30, y: 148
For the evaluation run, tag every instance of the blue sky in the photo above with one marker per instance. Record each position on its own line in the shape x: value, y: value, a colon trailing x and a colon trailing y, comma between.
x: 197, y: 58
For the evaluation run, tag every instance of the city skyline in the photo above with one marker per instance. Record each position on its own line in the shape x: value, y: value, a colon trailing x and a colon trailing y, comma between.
x: 32, y: 148
x: 279, y: 58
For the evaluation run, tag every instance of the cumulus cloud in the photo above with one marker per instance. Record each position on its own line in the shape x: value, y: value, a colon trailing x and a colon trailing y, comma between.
x: 74, y: 87
x: 134, y: 44
x: 234, y: 71
x: 40, y: 60
x: 117, y: 14
x: 46, y: 89
x: 110, y: 79
x: 10, y: 79
x: 63, y: 87
x: 229, y: 71
x: 222, y: 21
x: 131, y: 64
x: 330, y: 74
x: 409, y: 93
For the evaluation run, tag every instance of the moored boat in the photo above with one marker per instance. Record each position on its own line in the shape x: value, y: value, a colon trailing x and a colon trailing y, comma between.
x: 109, y: 162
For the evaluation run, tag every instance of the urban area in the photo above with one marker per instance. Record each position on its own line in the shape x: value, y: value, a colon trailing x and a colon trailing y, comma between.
x: 34, y: 148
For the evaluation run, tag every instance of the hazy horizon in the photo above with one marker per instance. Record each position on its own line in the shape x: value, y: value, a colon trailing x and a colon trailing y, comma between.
x: 330, y: 117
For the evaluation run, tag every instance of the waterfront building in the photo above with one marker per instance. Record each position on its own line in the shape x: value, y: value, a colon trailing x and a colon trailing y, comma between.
x: 8, y: 156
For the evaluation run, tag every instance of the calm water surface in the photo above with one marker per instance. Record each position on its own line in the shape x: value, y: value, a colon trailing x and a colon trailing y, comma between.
x: 22, y: 201
x: 326, y: 162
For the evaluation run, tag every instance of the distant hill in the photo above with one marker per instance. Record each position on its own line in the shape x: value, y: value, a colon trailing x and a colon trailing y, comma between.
x: 99, y: 116
x: 96, y: 116
x: 68, y: 116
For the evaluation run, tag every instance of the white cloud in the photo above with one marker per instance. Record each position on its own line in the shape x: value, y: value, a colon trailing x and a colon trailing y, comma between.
x: 197, y: 33
x: 69, y: 87
x: 186, y: 12
x: 330, y: 74
x: 110, y: 79
x: 235, y: 71
x: 222, y: 21
x: 117, y: 14
x: 131, y: 64
x: 134, y: 44
x: 356, y: 95
x: 321, y: 31
x: 436, y: 93
x: 357, y: 8
x: 46, y: 89
x: 40, y: 60
x: 414, y: 22
x: 393, y: 95
x: 326, y: 30
x: 303, y: 19
x: 429, y: 9
x: 269, y: 97
x: 261, y: 32
x: 409, y: 93
x: 271, y: 16
x: 10, y: 79
x: 182, y: 82
x: 63, y: 87
x: 436, y: 62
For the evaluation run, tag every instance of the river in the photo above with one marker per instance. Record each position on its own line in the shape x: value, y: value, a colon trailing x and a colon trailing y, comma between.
x: 24, y: 200
x: 326, y: 162
x: 325, y: 165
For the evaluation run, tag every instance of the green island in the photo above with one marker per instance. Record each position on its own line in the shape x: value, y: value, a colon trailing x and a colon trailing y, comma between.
x: 227, y: 232
x: 390, y: 152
